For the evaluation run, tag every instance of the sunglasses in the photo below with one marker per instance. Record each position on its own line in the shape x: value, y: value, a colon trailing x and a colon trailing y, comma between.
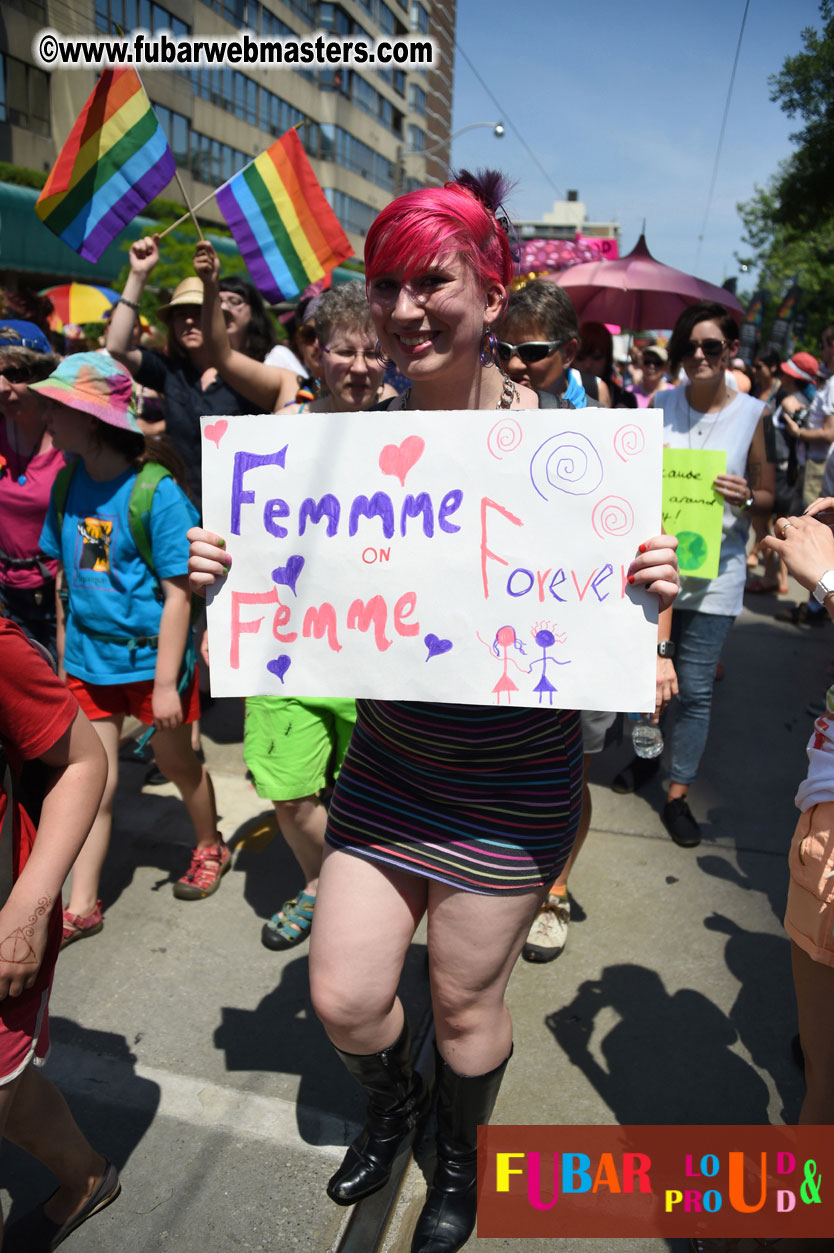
x: 655, y: 361
x: 532, y: 351
x: 709, y: 347
x: 16, y: 373
x: 306, y: 335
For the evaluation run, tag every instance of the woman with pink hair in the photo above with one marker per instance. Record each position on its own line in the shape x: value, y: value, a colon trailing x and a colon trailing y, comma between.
x: 463, y: 813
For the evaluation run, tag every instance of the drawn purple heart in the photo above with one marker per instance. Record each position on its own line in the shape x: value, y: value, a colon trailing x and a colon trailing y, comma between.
x: 279, y: 666
x: 436, y: 646
x: 288, y: 574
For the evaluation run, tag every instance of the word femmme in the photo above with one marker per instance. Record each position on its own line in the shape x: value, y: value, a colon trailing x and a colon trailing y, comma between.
x: 329, y: 507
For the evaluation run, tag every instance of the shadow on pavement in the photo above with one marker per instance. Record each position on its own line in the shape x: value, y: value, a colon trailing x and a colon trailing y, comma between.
x: 115, y: 1119
x: 667, y: 1060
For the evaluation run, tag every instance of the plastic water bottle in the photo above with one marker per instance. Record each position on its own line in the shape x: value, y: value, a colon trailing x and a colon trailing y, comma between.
x: 646, y: 736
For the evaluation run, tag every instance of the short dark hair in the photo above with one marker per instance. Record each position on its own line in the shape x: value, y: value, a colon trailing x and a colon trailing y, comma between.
x: 703, y: 311
x: 771, y: 357
x: 547, y: 305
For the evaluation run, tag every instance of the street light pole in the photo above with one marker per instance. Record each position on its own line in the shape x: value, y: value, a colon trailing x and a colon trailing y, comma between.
x: 497, y: 129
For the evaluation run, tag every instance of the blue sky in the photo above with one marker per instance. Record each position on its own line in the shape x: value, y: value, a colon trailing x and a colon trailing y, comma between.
x: 624, y: 103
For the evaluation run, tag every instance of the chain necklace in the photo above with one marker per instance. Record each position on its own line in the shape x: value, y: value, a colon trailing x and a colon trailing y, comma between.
x: 702, y: 417
x: 506, y: 400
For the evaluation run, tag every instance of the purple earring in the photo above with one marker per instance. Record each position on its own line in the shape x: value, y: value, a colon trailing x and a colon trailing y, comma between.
x: 489, y: 347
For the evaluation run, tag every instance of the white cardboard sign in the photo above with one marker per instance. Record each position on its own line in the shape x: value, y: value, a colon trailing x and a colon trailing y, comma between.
x: 474, y: 557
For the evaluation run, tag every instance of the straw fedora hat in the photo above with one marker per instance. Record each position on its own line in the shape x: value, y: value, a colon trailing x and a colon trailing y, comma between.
x: 188, y: 292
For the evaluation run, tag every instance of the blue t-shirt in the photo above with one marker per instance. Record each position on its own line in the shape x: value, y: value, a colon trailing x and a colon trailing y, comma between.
x: 111, y: 589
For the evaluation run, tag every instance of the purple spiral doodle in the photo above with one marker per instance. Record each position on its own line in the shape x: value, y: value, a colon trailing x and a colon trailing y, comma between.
x: 567, y: 462
x: 613, y: 517
x: 504, y: 437
x: 629, y: 441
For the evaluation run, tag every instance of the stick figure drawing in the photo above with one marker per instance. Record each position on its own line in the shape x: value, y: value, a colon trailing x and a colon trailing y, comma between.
x: 505, y: 639
x: 544, y: 635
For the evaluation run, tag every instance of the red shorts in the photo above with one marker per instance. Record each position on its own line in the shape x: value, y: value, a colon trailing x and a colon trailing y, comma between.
x: 112, y: 700
x: 24, y: 1019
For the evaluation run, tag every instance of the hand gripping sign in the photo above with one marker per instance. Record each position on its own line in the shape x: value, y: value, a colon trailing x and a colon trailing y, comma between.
x: 472, y: 557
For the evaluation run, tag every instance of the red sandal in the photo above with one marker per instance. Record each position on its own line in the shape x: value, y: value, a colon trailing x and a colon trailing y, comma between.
x: 202, y: 878
x: 78, y: 926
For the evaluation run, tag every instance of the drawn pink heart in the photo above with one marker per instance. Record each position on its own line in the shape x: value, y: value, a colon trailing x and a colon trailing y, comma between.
x: 216, y: 431
x: 399, y: 460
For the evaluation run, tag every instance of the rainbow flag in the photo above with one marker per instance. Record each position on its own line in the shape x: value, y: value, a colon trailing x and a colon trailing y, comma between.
x: 114, y: 162
x: 286, y: 231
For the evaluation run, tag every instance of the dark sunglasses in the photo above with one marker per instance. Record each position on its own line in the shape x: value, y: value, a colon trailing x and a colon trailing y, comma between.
x: 16, y: 373
x: 652, y: 361
x: 306, y: 334
x: 532, y: 351
x: 709, y: 347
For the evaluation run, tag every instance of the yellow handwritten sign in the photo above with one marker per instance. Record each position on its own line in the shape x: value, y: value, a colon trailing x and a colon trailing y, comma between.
x: 692, y: 509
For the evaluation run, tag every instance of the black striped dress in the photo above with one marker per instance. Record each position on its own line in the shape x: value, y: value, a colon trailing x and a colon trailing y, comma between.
x: 483, y: 798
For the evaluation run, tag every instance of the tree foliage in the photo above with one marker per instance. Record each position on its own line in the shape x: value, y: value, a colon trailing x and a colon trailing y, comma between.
x: 789, y: 224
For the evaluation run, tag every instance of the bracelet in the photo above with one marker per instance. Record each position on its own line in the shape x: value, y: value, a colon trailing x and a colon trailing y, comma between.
x: 131, y: 304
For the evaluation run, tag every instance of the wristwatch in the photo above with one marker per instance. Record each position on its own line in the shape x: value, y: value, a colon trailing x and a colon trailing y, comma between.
x: 749, y: 502
x: 666, y: 648
x: 825, y: 586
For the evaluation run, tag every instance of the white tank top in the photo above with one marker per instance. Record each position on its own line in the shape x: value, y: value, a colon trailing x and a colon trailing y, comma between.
x: 731, y: 429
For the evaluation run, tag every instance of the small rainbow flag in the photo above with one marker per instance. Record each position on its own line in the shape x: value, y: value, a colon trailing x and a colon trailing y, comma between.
x: 114, y: 162
x: 286, y: 231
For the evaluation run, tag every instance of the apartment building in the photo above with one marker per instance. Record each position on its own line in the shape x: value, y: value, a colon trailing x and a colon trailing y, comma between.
x: 369, y: 132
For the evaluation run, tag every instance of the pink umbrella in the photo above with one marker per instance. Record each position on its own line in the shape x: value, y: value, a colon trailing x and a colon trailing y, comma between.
x: 638, y: 292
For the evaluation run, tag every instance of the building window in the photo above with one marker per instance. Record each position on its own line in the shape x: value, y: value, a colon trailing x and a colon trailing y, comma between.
x: 32, y: 8
x: 386, y: 18
x: 214, y: 163
x: 354, y: 215
x: 177, y: 130
x: 25, y: 95
x: 416, y: 139
x: 416, y: 99
x: 419, y: 18
x: 133, y: 14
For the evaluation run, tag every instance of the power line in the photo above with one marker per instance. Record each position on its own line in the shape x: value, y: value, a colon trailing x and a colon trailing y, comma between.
x: 509, y: 122
x: 721, y: 138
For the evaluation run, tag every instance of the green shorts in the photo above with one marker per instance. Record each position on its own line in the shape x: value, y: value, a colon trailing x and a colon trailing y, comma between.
x: 294, y: 747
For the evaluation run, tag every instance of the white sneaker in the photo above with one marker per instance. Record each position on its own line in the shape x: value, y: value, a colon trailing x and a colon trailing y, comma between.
x: 549, y: 932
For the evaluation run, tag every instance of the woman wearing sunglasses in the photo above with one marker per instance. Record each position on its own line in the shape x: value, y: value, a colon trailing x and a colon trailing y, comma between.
x: 28, y: 466
x: 538, y: 339
x: 653, y: 363
x: 438, y: 808
x: 704, y: 413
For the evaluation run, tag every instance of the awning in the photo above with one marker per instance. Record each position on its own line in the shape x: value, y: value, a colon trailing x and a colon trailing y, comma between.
x: 27, y: 246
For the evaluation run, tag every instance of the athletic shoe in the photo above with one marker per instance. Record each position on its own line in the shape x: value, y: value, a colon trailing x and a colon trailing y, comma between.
x: 549, y: 932
x: 679, y: 822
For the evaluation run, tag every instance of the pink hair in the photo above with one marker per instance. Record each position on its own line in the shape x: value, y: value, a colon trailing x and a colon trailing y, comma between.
x: 414, y: 231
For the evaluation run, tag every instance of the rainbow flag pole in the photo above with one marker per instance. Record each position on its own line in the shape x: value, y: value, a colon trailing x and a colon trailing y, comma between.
x: 115, y: 160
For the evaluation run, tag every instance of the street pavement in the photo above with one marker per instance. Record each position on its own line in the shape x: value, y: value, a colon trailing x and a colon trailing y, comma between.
x: 191, y: 1056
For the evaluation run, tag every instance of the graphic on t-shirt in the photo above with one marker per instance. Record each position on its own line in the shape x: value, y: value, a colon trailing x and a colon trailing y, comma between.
x: 96, y: 534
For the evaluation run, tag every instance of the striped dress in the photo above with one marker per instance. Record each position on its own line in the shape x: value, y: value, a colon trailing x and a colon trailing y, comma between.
x: 482, y: 798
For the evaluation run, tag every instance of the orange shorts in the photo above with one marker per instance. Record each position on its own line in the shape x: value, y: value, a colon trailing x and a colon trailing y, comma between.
x: 809, y: 918
x: 112, y: 700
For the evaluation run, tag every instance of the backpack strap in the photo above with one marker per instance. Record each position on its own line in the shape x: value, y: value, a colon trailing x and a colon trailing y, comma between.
x: 7, y: 831
x: 150, y: 475
x: 60, y: 491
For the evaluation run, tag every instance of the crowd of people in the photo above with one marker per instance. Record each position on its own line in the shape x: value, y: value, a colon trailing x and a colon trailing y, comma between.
x: 102, y: 564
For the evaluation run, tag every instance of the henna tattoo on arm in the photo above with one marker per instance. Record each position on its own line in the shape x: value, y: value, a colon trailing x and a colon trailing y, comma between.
x: 16, y: 946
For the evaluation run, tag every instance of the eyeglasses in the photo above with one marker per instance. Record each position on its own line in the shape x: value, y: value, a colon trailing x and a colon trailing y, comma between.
x: 709, y: 347
x: 306, y: 334
x: 16, y: 373
x: 531, y: 351
x: 349, y: 355
x: 233, y: 301
x: 655, y: 361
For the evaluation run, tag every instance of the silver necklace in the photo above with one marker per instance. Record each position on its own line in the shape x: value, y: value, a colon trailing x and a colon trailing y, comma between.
x: 702, y: 417
x: 505, y: 401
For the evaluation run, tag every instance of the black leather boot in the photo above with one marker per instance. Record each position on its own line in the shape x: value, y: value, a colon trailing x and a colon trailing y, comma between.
x: 397, y: 1100
x: 463, y: 1101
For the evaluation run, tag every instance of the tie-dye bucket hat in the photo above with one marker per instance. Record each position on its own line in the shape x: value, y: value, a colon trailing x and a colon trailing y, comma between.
x: 94, y: 384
